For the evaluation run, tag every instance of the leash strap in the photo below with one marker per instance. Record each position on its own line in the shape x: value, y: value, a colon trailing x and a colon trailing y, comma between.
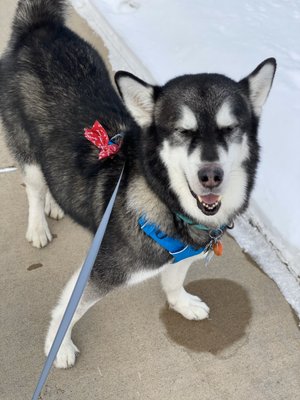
x: 77, y: 292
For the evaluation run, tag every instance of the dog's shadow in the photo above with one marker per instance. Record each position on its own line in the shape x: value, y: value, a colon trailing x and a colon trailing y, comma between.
x: 230, y: 314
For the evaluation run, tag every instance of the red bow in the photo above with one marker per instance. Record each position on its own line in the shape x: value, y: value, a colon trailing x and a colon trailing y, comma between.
x: 99, y: 137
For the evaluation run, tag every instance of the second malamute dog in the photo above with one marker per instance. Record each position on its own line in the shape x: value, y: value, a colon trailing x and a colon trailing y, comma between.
x: 190, y: 149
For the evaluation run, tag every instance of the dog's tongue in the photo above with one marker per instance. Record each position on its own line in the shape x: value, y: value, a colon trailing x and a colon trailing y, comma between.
x: 209, y: 199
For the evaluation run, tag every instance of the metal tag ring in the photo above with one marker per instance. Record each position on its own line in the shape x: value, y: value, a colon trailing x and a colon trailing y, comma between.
x: 215, y: 233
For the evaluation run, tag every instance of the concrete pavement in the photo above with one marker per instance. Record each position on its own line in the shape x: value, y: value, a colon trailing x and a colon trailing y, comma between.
x: 132, y: 346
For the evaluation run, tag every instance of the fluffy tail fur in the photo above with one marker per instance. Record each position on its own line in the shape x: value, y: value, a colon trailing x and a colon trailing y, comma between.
x: 32, y: 13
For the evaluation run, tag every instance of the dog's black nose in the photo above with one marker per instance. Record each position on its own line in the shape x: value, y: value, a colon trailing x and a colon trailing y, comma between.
x: 211, y: 176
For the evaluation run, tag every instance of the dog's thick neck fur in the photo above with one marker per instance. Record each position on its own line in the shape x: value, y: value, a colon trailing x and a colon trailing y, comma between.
x: 141, y: 200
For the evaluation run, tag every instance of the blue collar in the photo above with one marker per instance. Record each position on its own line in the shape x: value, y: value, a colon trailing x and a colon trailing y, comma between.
x: 177, y: 249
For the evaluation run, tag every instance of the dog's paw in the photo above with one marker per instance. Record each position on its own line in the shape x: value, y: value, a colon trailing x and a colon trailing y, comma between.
x: 190, y: 307
x: 38, y: 233
x: 52, y: 209
x: 66, y: 355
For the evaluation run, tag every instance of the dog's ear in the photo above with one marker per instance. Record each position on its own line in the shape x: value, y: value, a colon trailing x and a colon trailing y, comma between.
x: 138, y: 97
x: 258, y: 84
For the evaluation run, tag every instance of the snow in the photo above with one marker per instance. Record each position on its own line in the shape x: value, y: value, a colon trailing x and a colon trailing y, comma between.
x: 268, y: 259
x: 158, y: 40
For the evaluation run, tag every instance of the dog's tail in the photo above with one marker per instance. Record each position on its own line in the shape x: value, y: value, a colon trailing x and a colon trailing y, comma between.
x: 32, y: 13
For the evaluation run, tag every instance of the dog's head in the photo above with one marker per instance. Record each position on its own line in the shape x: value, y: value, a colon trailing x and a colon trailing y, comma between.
x: 199, y: 145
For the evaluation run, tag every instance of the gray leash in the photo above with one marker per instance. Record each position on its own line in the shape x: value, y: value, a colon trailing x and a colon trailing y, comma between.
x: 77, y: 292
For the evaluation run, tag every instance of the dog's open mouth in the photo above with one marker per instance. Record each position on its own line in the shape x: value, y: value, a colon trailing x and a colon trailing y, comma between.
x: 209, y: 204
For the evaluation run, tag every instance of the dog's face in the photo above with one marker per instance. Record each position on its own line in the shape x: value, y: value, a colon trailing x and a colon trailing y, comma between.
x: 200, y: 138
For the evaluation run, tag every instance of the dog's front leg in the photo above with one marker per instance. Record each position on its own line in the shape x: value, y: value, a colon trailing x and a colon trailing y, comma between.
x: 188, y: 305
x: 66, y: 355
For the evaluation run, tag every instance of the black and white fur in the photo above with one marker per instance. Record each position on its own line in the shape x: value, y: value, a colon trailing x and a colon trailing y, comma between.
x: 193, y: 139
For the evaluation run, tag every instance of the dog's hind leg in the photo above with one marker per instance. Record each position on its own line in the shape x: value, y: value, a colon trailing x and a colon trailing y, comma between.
x: 52, y: 209
x: 67, y: 353
x: 38, y: 232
x: 188, y: 305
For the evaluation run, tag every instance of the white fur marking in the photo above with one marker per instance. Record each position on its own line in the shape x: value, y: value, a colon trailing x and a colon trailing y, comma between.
x: 224, y: 117
x: 143, y: 275
x: 235, y: 177
x: 188, y: 119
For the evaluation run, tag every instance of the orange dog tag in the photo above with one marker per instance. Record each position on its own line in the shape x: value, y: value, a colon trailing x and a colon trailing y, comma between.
x: 218, y: 248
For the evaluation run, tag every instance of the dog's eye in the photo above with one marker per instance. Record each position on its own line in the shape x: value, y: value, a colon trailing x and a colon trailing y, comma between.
x: 228, y: 129
x: 185, y: 131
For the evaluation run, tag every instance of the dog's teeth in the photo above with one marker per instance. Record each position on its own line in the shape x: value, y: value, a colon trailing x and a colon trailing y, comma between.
x: 209, y: 207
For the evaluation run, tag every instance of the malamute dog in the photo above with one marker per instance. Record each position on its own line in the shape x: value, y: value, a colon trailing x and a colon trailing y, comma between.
x: 190, y: 150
